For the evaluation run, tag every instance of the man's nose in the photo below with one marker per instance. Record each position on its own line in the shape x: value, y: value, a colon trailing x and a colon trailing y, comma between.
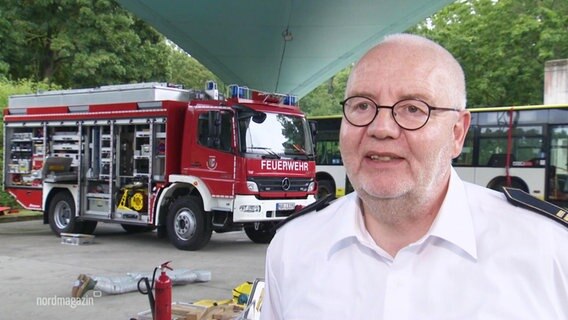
x: 384, y: 125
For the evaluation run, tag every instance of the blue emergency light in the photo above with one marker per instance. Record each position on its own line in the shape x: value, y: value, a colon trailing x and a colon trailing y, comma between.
x: 239, y: 92
x: 290, y: 100
x: 211, y: 85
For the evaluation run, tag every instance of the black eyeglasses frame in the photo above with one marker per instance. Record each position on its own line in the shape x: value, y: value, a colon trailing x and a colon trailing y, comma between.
x: 377, y: 106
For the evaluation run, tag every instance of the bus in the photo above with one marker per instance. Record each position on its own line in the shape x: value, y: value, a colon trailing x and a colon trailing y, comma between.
x: 330, y: 173
x: 525, y: 147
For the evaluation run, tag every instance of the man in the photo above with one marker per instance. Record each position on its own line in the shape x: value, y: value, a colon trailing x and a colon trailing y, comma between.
x: 414, y: 241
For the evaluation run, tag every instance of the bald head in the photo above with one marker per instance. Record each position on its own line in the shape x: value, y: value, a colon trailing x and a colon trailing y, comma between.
x: 408, y: 55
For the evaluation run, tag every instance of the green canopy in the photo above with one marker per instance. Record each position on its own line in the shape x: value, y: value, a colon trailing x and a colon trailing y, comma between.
x: 284, y: 46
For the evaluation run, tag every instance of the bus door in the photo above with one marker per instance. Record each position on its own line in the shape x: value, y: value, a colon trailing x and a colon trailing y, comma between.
x: 558, y: 165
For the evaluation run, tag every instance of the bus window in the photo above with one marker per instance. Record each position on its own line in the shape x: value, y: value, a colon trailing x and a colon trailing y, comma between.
x: 558, y: 171
x: 466, y: 156
x: 493, y: 141
x: 328, y: 153
x: 526, y: 148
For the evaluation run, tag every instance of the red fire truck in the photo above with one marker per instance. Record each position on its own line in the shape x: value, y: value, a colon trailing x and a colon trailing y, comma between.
x: 151, y: 156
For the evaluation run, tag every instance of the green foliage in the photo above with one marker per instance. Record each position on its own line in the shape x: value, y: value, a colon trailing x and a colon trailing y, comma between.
x: 189, y: 71
x: 8, y: 88
x: 325, y: 99
x: 79, y: 43
x: 502, y: 46
x: 23, y: 86
x: 6, y: 200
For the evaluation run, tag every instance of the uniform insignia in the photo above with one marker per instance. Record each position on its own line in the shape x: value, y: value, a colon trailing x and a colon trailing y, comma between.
x: 318, y: 205
x: 520, y: 198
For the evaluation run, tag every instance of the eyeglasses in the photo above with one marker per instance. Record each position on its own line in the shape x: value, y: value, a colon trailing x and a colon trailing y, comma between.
x: 409, y: 114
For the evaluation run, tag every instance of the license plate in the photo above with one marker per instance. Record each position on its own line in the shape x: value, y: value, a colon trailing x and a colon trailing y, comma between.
x: 285, y: 206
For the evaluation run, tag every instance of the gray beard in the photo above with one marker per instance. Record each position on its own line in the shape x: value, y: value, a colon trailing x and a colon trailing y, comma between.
x: 395, y: 211
x: 411, y: 205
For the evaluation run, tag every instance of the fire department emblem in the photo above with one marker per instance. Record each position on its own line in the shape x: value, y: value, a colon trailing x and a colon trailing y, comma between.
x: 212, y: 163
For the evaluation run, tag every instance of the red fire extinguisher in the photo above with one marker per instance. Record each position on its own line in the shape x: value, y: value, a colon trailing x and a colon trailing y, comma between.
x: 163, y: 293
x: 161, y: 306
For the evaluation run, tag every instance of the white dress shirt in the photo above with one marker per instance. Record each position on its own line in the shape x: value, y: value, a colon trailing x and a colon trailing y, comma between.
x: 483, y: 258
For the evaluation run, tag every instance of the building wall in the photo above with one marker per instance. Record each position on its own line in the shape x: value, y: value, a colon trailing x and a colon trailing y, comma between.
x: 556, y: 82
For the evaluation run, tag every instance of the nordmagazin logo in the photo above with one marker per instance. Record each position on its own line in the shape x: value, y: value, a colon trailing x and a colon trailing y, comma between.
x: 72, y: 302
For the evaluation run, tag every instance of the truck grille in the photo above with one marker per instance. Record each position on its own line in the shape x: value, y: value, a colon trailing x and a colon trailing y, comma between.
x: 282, y: 184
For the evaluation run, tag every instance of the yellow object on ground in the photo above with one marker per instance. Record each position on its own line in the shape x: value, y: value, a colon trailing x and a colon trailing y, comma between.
x: 241, y: 293
x: 210, y: 303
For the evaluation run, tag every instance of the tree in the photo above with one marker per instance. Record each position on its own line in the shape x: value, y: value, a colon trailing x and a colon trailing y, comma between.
x: 79, y: 43
x: 325, y: 99
x: 502, y: 46
x: 188, y: 71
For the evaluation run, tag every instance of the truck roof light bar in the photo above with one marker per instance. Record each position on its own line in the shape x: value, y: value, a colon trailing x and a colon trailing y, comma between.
x: 239, y: 92
x: 290, y: 100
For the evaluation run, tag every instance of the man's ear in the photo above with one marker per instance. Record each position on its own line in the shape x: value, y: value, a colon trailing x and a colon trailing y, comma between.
x: 460, y: 130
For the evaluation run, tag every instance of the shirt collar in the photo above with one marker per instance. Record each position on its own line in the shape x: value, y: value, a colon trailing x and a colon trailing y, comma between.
x: 453, y: 223
x: 346, y: 216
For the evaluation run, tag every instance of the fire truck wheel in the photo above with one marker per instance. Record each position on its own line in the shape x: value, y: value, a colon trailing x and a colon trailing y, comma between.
x: 62, y: 214
x: 260, y: 232
x: 325, y: 187
x: 187, y: 225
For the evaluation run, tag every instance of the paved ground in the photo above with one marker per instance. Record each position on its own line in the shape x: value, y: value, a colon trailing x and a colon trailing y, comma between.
x: 37, y: 271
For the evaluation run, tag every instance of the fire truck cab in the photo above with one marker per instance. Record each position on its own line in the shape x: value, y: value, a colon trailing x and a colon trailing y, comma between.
x: 152, y: 155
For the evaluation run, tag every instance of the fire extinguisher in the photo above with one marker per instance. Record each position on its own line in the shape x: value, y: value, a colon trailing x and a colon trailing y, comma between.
x: 163, y: 292
x: 161, y: 305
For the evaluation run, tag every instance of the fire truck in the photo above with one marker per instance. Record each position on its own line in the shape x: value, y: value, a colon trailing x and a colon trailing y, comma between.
x: 155, y: 156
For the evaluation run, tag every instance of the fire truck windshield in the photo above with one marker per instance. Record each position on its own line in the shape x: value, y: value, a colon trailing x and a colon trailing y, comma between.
x: 275, y: 136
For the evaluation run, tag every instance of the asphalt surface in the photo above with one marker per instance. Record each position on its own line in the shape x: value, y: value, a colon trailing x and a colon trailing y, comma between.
x: 38, y: 271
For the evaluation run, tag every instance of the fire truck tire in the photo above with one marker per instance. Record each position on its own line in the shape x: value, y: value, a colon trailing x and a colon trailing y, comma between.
x: 61, y: 214
x: 187, y: 224
x: 260, y: 232
x: 131, y: 228
x: 325, y: 187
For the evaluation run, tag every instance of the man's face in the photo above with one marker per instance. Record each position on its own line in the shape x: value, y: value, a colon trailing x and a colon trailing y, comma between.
x: 384, y: 161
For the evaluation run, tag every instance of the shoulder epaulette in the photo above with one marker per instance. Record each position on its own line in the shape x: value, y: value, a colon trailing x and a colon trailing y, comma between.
x: 523, y: 199
x: 318, y: 205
